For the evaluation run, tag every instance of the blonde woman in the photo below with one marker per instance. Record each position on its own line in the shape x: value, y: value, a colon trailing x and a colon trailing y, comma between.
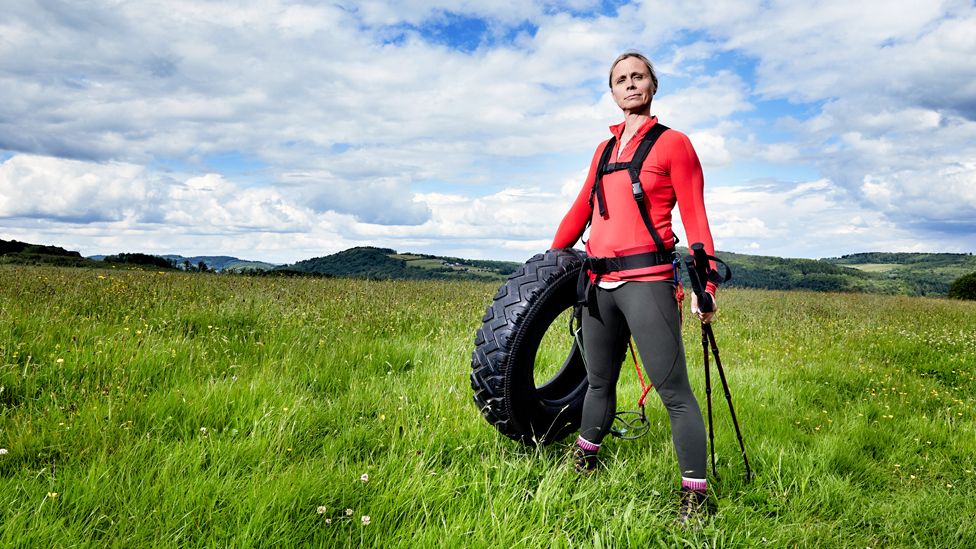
x: 627, y: 204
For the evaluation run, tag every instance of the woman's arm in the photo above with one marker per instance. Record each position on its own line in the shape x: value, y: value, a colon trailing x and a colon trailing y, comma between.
x: 689, y: 188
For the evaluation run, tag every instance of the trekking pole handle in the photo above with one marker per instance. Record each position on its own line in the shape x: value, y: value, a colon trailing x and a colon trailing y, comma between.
x: 697, y: 264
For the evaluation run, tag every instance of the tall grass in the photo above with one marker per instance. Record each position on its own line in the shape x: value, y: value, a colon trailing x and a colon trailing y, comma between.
x: 147, y: 409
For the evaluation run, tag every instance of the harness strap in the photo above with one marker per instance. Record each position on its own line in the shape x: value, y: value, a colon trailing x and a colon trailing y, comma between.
x: 633, y: 168
x: 637, y: 190
x: 604, y: 265
x: 595, y: 191
x: 600, y: 266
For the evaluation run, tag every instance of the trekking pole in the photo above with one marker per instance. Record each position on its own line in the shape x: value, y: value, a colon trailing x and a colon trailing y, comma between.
x: 708, y: 396
x: 707, y: 330
x: 699, y: 271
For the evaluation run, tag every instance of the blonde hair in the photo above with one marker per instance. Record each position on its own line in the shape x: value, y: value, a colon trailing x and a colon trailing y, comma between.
x: 636, y: 55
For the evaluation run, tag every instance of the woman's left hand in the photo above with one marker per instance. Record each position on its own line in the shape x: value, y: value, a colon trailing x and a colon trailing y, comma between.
x: 706, y: 318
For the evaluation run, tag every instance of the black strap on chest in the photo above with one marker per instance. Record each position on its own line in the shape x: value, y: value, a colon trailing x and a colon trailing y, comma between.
x: 633, y: 168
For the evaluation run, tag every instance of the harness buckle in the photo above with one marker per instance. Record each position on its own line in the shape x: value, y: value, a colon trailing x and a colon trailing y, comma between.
x: 638, y: 191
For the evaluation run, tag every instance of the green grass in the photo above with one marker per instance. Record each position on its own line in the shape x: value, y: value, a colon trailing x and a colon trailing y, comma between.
x: 204, y: 410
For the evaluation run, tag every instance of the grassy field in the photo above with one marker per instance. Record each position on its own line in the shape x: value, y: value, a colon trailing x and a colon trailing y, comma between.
x: 148, y: 409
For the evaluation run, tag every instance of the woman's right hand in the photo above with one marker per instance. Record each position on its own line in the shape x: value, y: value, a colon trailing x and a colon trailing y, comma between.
x: 706, y: 318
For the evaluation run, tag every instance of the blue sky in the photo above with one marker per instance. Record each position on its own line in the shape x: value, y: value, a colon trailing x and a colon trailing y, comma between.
x: 285, y: 130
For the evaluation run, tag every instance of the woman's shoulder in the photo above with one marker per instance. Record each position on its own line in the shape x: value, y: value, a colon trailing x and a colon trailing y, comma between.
x: 676, y: 142
x: 674, y: 135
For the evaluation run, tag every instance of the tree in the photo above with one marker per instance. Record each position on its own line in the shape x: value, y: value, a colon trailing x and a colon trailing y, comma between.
x: 139, y: 259
x: 202, y: 267
x: 964, y: 287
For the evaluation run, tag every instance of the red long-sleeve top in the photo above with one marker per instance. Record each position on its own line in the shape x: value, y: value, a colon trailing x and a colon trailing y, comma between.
x: 671, y: 174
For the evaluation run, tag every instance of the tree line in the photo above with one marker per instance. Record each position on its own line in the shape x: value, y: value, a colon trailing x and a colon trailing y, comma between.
x: 156, y: 261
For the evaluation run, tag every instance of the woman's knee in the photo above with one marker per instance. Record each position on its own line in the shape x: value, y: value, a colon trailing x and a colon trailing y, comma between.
x: 600, y: 384
x: 676, y: 394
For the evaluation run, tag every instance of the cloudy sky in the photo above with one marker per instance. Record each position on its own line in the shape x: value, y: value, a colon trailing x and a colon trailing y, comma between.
x: 283, y: 130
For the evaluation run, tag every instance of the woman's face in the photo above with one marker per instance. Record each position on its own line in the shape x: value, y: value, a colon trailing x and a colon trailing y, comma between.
x: 631, y: 85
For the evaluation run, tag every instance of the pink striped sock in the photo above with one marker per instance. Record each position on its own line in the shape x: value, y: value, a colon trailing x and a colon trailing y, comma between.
x: 696, y: 484
x: 586, y: 445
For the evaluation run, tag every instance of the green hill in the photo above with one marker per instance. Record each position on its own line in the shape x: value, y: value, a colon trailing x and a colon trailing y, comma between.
x: 907, y: 274
x: 873, y: 272
x: 222, y: 262
x: 22, y: 253
x: 778, y: 273
x: 911, y: 273
x: 385, y: 263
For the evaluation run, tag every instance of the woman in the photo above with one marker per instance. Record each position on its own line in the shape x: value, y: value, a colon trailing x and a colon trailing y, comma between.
x: 632, y: 289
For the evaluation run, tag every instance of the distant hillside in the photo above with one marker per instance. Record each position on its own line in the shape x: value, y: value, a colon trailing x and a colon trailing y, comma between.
x: 911, y: 273
x: 222, y: 262
x: 908, y: 274
x: 22, y: 253
x: 887, y: 273
x: 777, y: 273
x: 384, y: 263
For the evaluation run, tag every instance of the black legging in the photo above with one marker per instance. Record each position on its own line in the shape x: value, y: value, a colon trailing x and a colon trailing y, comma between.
x: 649, y: 311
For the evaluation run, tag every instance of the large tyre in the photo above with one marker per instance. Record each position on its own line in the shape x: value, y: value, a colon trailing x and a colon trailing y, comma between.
x: 505, y: 389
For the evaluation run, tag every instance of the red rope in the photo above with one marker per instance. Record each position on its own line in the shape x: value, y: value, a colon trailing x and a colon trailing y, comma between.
x: 645, y: 388
x: 679, y: 295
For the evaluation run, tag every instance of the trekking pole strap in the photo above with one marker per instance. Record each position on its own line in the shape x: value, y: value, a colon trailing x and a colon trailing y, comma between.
x: 700, y: 272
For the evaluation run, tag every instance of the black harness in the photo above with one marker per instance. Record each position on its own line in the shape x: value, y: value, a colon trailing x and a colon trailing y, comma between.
x: 664, y: 254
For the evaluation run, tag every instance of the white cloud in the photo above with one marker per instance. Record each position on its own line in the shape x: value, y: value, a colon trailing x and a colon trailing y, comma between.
x: 711, y: 148
x: 778, y: 152
x: 807, y: 219
x: 896, y: 84
x: 115, y: 192
x: 52, y: 188
x: 211, y: 201
x: 347, y: 109
x: 708, y: 100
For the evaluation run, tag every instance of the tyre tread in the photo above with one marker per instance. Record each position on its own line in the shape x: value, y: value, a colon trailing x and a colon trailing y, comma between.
x: 503, y: 320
